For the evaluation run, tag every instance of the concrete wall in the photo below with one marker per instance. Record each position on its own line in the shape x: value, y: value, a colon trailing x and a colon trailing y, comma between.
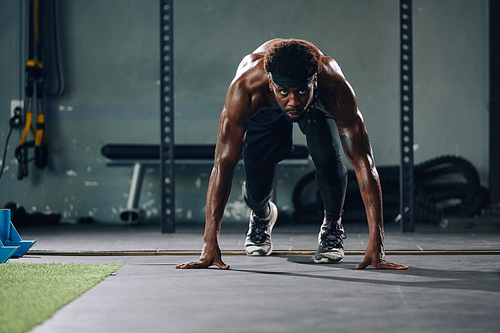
x: 110, y: 55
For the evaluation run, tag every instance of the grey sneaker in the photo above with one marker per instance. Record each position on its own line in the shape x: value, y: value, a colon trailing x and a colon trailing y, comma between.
x: 331, y: 244
x: 258, y: 241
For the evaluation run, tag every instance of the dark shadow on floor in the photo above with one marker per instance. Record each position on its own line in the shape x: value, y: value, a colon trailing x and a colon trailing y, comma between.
x: 446, y: 279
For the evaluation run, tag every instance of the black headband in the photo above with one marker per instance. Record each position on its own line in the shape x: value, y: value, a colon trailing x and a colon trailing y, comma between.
x: 285, y: 81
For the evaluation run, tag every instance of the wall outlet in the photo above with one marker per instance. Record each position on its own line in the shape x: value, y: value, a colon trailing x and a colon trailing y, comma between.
x: 14, y: 104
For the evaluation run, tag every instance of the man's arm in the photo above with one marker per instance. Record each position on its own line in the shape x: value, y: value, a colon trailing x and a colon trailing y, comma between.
x: 357, y: 148
x: 232, y: 130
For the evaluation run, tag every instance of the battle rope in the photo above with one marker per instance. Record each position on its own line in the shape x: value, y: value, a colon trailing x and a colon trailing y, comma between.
x: 446, y: 186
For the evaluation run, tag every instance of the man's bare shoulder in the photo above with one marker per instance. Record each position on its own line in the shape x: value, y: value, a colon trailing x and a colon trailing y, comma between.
x: 331, y: 80
x: 251, y: 73
x: 331, y: 68
x: 335, y: 92
x: 249, y: 90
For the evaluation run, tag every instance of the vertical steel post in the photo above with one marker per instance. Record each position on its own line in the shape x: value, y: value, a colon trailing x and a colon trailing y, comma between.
x: 494, y: 106
x: 406, y: 85
x: 167, y: 117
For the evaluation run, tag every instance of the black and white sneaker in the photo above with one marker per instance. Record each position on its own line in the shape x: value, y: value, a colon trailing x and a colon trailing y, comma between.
x: 331, y: 243
x: 258, y: 241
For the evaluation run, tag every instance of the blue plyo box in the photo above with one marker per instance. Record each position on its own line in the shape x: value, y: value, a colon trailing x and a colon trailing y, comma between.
x: 11, y: 244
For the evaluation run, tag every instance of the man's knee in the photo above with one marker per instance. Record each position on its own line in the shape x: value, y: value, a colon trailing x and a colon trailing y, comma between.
x: 257, y: 205
x: 331, y: 171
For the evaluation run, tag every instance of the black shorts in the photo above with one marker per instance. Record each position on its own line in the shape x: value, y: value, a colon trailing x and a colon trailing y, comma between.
x: 268, y: 140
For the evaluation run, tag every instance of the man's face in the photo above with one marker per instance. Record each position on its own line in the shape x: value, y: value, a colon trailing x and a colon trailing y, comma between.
x: 293, y: 101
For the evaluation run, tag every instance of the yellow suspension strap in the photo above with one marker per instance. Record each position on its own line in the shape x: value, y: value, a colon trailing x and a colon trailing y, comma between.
x: 34, y: 73
x: 34, y: 76
x: 41, y: 150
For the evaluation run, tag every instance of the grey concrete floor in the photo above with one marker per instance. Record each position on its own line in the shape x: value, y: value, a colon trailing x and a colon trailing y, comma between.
x: 279, y: 293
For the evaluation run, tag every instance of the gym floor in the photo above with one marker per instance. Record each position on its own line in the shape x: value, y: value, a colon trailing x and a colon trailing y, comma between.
x: 456, y: 289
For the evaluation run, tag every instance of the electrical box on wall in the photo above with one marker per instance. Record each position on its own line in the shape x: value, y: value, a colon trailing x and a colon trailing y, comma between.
x: 14, y: 104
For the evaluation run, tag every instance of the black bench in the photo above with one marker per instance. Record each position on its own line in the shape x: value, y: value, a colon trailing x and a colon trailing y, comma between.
x: 141, y: 155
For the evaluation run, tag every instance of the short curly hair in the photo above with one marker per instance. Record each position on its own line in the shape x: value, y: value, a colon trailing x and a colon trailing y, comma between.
x: 293, y: 58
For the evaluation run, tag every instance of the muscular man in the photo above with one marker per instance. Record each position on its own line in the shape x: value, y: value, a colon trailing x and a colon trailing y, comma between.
x: 281, y: 82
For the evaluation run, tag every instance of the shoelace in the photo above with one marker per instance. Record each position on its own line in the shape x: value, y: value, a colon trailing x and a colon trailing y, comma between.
x: 259, y: 226
x: 332, y: 238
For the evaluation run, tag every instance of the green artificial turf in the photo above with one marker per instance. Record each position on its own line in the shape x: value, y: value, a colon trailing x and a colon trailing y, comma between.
x: 31, y: 293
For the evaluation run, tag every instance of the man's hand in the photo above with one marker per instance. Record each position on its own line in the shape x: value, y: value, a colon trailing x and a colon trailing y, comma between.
x: 210, y: 256
x: 374, y: 259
